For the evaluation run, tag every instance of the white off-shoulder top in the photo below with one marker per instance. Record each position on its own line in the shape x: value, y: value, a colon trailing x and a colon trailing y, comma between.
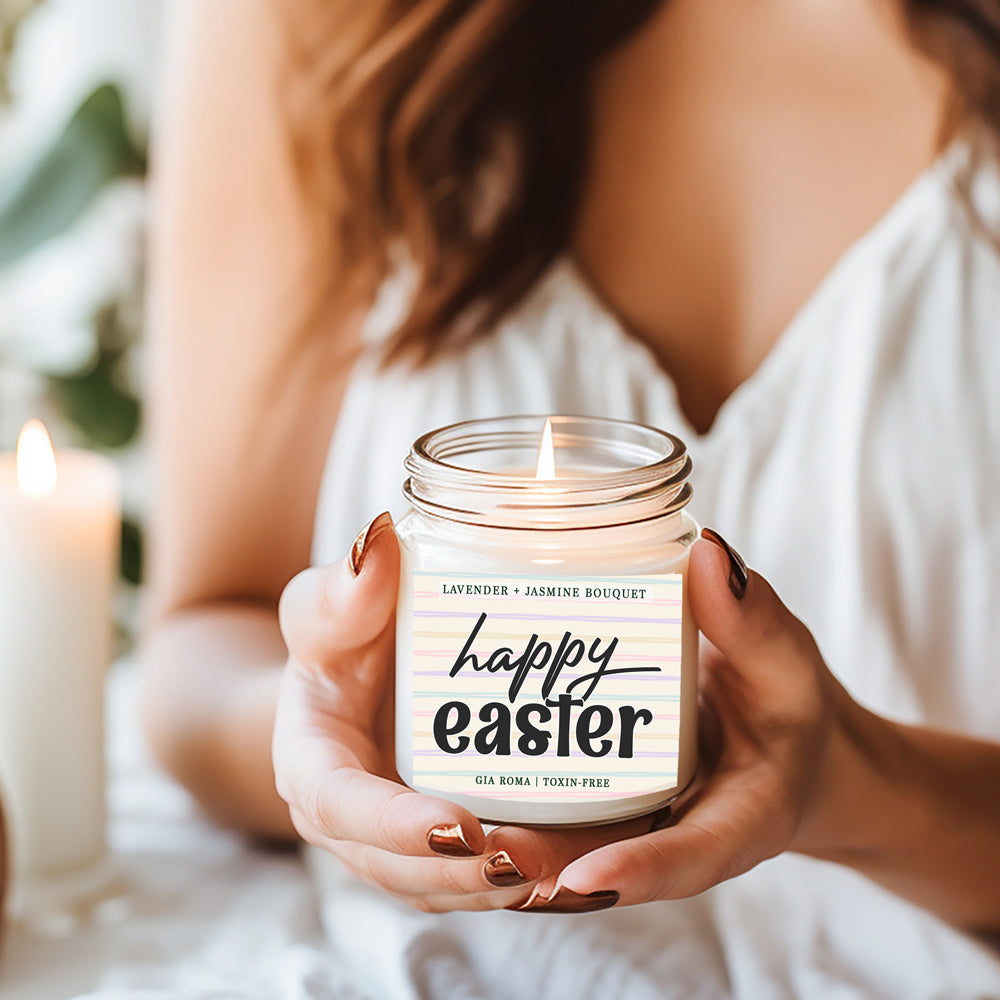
x: 859, y: 470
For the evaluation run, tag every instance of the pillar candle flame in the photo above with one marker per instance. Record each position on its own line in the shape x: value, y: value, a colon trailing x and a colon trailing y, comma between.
x: 36, y: 461
x: 546, y: 467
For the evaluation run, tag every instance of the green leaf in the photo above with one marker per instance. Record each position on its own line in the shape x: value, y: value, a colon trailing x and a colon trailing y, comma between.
x: 54, y: 192
x: 95, y: 404
x: 105, y: 415
x: 97, y: 400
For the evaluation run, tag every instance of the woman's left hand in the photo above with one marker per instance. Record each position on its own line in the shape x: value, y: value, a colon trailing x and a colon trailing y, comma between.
x: 772, y: 721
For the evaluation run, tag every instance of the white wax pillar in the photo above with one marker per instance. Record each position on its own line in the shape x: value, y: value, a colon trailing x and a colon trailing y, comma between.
x: 58, y: 554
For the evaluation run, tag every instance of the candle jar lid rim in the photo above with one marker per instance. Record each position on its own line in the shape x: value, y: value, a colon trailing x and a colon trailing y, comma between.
x: 627, y: 489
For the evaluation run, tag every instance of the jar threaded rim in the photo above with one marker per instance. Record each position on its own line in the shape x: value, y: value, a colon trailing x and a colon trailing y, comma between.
x: 614, y: 472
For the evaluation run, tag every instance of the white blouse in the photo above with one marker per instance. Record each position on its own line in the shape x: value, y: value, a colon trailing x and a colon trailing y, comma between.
x: 859, y: 470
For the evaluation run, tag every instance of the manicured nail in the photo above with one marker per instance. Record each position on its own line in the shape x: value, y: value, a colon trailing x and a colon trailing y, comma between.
x: 661, y: 819
x: 364, y: 539
x: 565, y: 900
x: 739, y: 575
x: 502, y: 872
x: 450, y: 841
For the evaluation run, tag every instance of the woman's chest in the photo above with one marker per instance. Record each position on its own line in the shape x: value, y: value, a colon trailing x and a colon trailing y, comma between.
x: 737, y: 151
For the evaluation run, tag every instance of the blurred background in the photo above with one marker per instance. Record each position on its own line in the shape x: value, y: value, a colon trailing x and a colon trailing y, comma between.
x: 78, y: 81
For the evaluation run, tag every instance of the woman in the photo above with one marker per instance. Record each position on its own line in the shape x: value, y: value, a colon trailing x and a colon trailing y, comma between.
x: 766, y: 227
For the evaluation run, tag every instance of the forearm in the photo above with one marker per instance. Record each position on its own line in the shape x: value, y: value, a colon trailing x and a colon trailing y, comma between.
x: 210, y: 683
x: 915, y: 809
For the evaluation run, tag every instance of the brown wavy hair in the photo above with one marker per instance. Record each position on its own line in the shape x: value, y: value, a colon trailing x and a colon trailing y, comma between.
x: 458, y: 129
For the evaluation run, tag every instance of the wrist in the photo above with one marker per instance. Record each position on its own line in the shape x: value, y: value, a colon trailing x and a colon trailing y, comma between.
x: 861, y: 792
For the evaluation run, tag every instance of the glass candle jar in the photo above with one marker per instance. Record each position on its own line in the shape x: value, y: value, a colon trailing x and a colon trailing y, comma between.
x: 546, y: 658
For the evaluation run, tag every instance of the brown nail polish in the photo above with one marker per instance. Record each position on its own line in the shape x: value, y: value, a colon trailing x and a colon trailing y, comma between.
x: 501, y: 871
x: 739, y: 575
x: 565, y: 900
x: 364, y: 538
x: 450, y: 841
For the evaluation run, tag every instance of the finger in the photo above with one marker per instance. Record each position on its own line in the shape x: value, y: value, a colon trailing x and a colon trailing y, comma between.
x: 753, y: 630
x: 404, y: 876
x: 735, y: 824
x: 430, y: 885
x: 328, y: 611
x: 539, y: 854
x: 321, y: 777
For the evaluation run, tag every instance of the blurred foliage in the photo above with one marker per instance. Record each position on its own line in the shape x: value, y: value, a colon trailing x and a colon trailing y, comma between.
x: 94, y: 149
x: 97, y: 400
x: 55, y: 190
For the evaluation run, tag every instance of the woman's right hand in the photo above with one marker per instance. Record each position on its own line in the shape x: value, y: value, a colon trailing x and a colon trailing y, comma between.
x: 334, y: 751
x: 334, y: 754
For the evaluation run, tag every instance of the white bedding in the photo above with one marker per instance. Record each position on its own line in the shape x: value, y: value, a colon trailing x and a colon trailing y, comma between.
x: 210, y: 918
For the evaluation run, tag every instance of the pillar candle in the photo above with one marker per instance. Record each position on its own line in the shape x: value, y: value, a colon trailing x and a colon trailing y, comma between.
x: 59, y: 531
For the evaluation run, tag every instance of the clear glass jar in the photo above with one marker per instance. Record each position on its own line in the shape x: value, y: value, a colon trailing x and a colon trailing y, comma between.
x: 546, y: 658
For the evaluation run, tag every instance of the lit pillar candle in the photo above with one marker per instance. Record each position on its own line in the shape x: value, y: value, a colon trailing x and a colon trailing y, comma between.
x: 59, y: 530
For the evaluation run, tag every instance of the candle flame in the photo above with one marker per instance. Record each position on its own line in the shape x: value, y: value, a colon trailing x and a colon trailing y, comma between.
x: 546, y: 467
x: 36, y: 461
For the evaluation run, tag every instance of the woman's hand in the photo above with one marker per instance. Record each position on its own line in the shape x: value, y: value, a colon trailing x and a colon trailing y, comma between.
x: 771, y: 735
x: 771, y: 745
x: 334, y: 755
x: 791, y: 762
x: 333, y: 747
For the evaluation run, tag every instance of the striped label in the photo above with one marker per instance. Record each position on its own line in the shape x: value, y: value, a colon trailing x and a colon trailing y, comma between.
x: 528, y: 687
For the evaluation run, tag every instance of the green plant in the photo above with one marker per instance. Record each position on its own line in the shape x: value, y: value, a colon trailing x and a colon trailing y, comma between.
x: 94, y: 149
x: 42, y: 201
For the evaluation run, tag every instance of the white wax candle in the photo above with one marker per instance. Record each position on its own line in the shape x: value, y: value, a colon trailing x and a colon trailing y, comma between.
x: 58, y: 551
x: 518, y: 586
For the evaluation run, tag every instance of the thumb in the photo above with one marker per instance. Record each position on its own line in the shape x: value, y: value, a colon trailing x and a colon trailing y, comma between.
x: 737, y: 610
x: 330, y: 610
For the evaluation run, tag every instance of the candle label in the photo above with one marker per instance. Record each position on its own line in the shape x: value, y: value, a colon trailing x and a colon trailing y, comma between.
x: 528, y: 687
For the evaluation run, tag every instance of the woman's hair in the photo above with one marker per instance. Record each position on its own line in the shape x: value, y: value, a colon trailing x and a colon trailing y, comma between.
x: 458, y: 129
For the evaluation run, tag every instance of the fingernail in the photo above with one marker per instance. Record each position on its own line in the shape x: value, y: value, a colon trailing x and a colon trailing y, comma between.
x: 502, y: 872
x: 661, y: 820
x: 450, y: 841
x: 739, y: 575
x: 565, y: 900
x: 364, y: 539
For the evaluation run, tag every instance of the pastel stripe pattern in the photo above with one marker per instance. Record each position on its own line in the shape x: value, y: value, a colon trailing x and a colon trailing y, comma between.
x: 643, y: 613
